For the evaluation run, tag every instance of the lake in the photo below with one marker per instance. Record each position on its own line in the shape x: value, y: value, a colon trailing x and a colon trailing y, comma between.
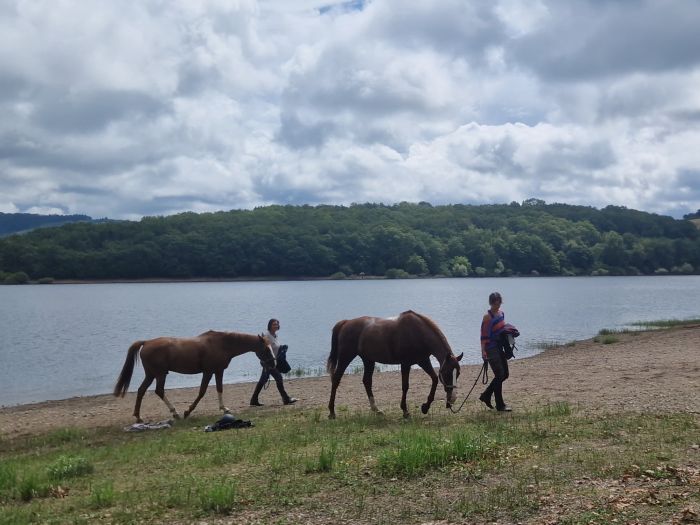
x: 60, y: 341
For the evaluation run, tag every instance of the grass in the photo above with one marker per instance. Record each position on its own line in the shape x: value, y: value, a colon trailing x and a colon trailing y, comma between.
x: 477, y: 466
x: 665, y: 323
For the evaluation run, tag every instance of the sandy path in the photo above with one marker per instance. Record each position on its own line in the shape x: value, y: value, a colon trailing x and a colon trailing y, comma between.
x: 647, y: 371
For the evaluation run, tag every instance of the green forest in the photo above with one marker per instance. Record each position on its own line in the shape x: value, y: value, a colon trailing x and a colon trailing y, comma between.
x: 401, y: 240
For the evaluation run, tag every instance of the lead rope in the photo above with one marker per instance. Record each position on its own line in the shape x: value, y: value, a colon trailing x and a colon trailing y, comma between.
x: 484, y: 375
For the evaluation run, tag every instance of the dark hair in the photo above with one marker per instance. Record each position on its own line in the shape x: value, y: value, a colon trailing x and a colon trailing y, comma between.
x: 269, y: 323
x: 495, y: 296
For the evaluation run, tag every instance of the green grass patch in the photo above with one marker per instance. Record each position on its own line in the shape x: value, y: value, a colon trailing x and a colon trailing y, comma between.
x: 476, y: 466
x: 606, y: 339
x: 69, y: 467
x: 665, y: 323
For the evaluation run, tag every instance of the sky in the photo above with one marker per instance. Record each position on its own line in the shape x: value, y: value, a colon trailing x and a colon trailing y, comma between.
x: 133, y: 108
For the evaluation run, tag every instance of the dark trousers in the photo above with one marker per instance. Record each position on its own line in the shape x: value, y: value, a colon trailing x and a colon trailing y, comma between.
x: 263, y: 379
x: 499, y: 367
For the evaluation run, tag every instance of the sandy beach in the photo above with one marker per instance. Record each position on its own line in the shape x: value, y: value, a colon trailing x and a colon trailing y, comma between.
x: 652, y: 371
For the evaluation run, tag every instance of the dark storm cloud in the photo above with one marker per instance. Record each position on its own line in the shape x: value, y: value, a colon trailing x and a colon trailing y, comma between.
x: 28, y: 151
x: 571, y: 158
x: 461, y: 28
x: 590, y: 39
x: 77, y: 112
x: 298, y: 135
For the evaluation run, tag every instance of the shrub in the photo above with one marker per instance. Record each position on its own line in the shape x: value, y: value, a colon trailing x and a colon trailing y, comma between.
x: 17, y: 278
x: 70, y: 467
x: 397, y: 273
x: 338, y: 276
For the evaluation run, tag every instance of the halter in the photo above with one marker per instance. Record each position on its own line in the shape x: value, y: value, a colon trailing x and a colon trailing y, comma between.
x: 448, y: 388
x: 484, y: 376
x: 264, y: 360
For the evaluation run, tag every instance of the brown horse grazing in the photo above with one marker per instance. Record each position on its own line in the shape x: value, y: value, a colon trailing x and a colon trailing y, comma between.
x: 207, y: 354
x: 409, y: 339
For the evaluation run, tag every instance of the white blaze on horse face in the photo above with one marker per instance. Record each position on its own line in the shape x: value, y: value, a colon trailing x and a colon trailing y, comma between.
x: 454, y: 377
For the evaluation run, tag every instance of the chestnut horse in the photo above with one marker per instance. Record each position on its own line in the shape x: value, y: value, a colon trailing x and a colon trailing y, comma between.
x: 207, y: 354
x: 406, y: 340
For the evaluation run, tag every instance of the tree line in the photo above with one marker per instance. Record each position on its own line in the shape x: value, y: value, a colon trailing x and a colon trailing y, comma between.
x: 406, y: 239
x: 19, y: 222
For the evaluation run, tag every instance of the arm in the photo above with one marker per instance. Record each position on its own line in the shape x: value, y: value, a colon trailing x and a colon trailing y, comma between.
x: 485, y: 322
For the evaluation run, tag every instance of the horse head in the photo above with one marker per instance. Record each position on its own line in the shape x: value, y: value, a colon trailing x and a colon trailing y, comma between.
x: 264, y: 353
x: 448, y: 374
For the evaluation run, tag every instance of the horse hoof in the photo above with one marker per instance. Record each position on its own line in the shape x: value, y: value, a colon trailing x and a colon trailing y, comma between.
x: 331, y: 416
x: 227, y: 411
x: 406, y: 415
x: 424, y: 408
x: 177, y: 416
x: 378, y: 412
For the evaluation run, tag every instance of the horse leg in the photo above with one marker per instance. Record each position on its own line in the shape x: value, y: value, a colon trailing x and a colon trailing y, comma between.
x: 139, y: 396
x: 206, y: 377
x: 367, y: 381
x: 335, y: 381
x: 405, y: 371
x: 219, y: 377
x: 160, y: 390
x: 428, y: 367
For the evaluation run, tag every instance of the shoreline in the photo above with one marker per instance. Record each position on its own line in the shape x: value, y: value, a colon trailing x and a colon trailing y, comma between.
x: 644, y: 371
x: 166, y: 280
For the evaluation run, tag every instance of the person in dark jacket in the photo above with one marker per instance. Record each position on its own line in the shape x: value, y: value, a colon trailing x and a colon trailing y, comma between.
x: 273, y: 325
x: 492, y: 351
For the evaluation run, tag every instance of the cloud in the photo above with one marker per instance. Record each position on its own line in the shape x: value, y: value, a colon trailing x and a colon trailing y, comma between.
x: 137, y: 108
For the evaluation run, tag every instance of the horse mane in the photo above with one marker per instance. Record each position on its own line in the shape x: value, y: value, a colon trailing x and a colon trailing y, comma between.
x: 231, y: 335
x: 431, y: 324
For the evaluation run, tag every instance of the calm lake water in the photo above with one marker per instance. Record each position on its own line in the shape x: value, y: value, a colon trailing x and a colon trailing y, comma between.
x: 61, y: 341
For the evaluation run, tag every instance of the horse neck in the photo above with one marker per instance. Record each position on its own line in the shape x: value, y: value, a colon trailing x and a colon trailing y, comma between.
x: 237, y: 344
x: 441, y: 351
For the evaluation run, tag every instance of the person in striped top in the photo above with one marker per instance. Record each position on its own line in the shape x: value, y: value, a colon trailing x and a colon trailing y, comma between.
x: 492, y: 351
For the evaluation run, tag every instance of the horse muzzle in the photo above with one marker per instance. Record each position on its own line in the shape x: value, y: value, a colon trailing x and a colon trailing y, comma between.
x: 451, y: 396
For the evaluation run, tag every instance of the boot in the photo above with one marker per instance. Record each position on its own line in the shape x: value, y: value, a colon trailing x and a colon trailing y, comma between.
x: 254, y: 402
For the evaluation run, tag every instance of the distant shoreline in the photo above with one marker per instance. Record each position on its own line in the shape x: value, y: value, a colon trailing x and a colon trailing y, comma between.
x: 329, y: 278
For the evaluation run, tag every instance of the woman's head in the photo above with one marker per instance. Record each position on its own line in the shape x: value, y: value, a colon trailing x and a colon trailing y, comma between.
x: 273, y: 323
x: 495, y: 298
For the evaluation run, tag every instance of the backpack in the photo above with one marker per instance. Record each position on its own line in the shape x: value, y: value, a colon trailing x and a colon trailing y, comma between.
x: 508, y: 336
x: 282, y: 363
x: 226, y: 422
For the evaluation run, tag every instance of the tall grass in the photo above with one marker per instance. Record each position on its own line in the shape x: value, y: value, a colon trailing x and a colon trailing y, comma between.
x: 419, y: 450
x: 666, y: 323
x: 69, y: 467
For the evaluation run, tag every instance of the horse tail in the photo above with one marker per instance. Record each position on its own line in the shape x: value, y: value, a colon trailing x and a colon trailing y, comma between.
x: 125, y: 377
x: 332, y: 362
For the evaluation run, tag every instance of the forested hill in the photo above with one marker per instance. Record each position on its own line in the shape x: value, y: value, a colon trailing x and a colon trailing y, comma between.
x: 21, y: 222
x: 532, y: 238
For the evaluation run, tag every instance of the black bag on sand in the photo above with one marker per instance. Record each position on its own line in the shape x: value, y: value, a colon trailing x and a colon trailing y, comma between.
x: 282, y: 363
x: 226, y: 422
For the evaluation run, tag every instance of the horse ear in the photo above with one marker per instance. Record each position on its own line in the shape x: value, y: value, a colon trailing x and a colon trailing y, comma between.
x: 460, y: 356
